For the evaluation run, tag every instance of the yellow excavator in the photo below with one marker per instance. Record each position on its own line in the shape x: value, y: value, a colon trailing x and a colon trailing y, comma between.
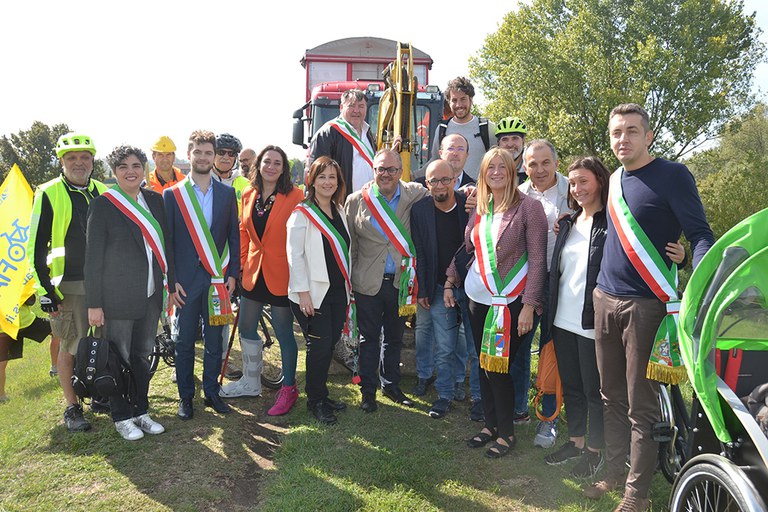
x: 397, y: 112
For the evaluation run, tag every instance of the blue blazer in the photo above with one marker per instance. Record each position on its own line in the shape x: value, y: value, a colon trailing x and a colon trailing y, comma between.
x: 225, y: 229
x: 424, y: 232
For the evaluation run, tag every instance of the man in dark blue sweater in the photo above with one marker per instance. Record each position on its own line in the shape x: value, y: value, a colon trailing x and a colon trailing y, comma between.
x: 659, y: 197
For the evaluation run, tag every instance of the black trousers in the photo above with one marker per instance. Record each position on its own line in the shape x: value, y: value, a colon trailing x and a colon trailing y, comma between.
x: 373, y: 313
x: 321, y: 332
x: 577, y: 364
x: 497, y: 389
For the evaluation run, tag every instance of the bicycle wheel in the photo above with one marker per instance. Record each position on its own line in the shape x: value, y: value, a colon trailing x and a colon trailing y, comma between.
x: 709, y: 487
x: 272, y: 371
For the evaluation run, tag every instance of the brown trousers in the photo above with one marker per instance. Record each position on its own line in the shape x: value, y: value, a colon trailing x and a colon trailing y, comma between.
x: 625, y: 328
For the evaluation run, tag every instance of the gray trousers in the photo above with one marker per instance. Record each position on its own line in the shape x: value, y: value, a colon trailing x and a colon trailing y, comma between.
x: 625, y: 328
x: 135, y: 340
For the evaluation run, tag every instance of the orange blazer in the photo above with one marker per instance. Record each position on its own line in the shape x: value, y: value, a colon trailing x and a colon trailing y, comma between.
x: 268, y: 253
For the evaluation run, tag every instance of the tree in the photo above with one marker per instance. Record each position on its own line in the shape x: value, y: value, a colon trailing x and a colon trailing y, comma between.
x: 34, y: 152
x: 562, y: 65
x: 733, y: 176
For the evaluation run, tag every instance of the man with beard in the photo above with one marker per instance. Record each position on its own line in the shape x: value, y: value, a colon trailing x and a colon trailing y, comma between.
x: 204, y: 230
x: 56, y: 251
x: 510, y: 135
x: 247, y: 156
x: 475, y: 130
x: 383, y: 273
x: 438, y: 223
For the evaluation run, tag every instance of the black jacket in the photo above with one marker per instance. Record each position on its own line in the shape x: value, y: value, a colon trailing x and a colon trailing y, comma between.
x: 329, y: 142
x: 424, y: 233
x: 116, y: 269
x: 596, y: 243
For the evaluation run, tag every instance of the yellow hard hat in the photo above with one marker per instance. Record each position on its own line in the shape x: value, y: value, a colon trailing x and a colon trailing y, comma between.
x: 164, y: 145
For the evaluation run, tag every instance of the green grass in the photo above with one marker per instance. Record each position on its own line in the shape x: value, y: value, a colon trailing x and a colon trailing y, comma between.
x: 394, y: 459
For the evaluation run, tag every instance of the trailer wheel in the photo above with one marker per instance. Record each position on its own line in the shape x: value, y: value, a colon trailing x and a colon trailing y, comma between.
x: 710, y: 487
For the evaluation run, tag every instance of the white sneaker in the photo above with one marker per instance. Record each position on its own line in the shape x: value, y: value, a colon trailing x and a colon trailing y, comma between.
x: 546, y: 434
x: 242, y: 387
x: 129, y: 430
x: 148, y: 425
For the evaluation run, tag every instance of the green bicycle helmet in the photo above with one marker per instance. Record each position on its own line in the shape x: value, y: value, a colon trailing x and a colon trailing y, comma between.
x: 510, y: 125
x: 74, y: 142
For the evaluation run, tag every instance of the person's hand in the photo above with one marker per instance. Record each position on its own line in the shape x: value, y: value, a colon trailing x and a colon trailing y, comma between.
x: 305, y: 304
x: 231, y: 285
x: 95, y: 317
x: 556, y: 227
x: 178, y: 297
x: 49, y: 303
x: 424, y: 302
x: 471, y: 193
x: 675, y: 252
x: 525, y: 320
x: 449, y: 299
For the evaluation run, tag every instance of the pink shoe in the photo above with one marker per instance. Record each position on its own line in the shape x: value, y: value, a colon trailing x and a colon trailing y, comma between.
x: 285, y: 400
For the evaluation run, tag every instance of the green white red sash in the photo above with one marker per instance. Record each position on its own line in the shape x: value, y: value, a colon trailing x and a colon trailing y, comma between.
x: 340, y: 251
x: 396, y: 233
x: 219, y: 308
x: 495, y: 344
x: 150, y: 230
x: 665, y: 364
x: 349, y: 133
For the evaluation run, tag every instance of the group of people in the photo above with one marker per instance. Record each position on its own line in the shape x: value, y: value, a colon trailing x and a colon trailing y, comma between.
x: 491, y: 244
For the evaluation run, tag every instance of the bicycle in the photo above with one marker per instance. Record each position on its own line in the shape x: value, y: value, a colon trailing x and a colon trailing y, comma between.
x: 272, y: 373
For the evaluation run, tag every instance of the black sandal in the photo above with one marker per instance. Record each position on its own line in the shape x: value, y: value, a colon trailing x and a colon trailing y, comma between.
x: 498, y: 450
x: 481, y: 439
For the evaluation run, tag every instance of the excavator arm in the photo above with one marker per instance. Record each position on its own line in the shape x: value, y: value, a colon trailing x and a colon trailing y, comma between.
x: 397, y: 112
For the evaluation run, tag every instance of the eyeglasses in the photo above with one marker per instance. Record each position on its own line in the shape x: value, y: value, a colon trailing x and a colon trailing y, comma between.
x: 456, y: 150
x: 443, y: 181
x: 387, y: 170
x: 226, y: 152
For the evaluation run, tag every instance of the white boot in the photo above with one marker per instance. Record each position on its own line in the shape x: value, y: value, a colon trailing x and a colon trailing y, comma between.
x: 250, y: 383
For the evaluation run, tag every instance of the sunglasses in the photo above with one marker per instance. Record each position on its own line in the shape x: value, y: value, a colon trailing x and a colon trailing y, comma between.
x: 226, y: 152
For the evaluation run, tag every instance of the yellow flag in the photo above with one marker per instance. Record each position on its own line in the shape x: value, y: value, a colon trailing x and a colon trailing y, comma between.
x: 16, y: 281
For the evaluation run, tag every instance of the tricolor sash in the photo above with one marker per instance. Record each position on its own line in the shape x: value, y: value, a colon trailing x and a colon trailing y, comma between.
x: 495, y: 344
x: 349, y: 133
x: 340, y: 251
x: 396, y: 233
x: 219, y: 308
x: 150, y: 230
x: 665, y: 364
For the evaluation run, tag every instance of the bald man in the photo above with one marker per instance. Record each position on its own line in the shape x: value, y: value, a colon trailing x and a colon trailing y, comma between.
x: 438, y: 222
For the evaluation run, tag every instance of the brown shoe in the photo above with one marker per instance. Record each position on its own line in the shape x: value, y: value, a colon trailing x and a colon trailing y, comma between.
x: 632, y: 504
x: 598, y: 489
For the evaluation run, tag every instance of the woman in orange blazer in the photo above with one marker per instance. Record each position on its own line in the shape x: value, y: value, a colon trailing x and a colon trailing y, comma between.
x: 266, y: 206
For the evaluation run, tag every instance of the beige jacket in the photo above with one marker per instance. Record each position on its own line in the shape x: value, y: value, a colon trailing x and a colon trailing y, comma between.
x: 369, y: 247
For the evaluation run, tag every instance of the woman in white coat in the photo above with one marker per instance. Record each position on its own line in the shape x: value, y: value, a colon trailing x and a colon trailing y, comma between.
x: 319, y: 286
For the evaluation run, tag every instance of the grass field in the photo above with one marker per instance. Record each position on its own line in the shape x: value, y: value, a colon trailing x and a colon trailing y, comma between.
x: 394, y: 459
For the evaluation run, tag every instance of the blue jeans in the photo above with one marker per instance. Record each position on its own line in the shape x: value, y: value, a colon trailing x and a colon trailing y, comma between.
x: 282, y: 324
x: 187, y: 319
x: 442, y: 343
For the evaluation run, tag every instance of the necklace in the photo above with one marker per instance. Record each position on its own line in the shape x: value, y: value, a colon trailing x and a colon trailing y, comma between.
x: 263, y: 206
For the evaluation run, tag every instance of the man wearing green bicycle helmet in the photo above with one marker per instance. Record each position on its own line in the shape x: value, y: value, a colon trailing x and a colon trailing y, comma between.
x: 56, y: 251
x: 510, y: 135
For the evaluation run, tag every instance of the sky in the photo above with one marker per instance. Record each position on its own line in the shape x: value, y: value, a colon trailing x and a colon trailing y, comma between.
x: 128, y: 72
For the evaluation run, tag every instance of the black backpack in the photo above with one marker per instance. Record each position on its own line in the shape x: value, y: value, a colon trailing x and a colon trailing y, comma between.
x: 100, y: 370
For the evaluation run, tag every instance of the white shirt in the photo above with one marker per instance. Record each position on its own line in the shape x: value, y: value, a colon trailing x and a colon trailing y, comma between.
x: 474, y: 286
x: 573, y: 280
x: 548, y: 200
x: 150, y: 255
x: 362, y: 171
